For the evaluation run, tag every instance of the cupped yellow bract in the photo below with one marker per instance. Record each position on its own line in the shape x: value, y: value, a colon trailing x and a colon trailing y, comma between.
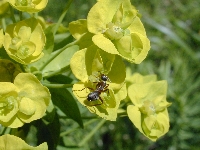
x: 118, y: 30
x: 23, y: 101
x: 24, y: 41
x: 11, y: 142
x: 149, y: 112
x: 88, y: 65
x: 30, y: 6
x: 4, y: 6
x: 115, y: 27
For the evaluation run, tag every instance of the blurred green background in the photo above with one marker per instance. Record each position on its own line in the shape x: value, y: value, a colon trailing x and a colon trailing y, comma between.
x: 173, y: 27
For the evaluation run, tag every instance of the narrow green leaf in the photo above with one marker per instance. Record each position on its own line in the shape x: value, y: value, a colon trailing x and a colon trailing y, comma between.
x: 49, y: 133
x: 62, y: 79
x: 49, y: 40
x: 3, y: 54
x: 62, y: 60
x: 63, y: 99
x: 62, y: 40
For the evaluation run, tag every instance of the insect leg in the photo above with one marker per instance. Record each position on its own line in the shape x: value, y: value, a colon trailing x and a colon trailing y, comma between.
x: 84, y: 88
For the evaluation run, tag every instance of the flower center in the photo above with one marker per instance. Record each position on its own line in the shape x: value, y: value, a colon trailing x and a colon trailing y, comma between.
x: 23, y: 2
x: 148, y: 108
x: 117, y: 29
x: 25, y: 50
x: 7, y: 103
x: 114, y: 32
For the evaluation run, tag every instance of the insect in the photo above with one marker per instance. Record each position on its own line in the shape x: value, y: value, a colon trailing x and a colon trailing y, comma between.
x: 101, y: 86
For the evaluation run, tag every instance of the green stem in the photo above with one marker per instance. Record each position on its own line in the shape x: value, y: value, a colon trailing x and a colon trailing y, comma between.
x: 6, y: 130
x: 3, y: 22
x: 58, y: 86
x: 73, y: 129
x: 87, y: 137
x: 35, y: 15
x: 20, y: 15
x: 12, y: 14
x: 66, y: 117
x: 53, y: 73
x: 62, y: 16
x: 56, y: 53
x: 122, y: 114
x: 3, y: 132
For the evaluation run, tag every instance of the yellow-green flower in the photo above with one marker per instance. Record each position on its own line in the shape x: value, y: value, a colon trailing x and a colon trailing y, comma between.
x: 115, y: 27
x: 30, y: 6
x: 24, y: 41
x: 23, y: 101
x: 4, y: 6
x: 11, y: 142
x: 118, y: 30
x: 138, y: 78
x: 88, y: 65
x: 149, y: 112
x: 8, y: 70
x: 1, y: 37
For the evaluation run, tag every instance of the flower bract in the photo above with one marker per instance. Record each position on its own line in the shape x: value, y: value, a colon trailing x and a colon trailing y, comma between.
x: 11, y: 142
x: 115, y: 27
x: 30, y: 6
x: 23, y: 101
x: 88, y: 65
x: 4, y: 6
x: 149, y: 112
x: 118, y: 30
x: 24, y: 41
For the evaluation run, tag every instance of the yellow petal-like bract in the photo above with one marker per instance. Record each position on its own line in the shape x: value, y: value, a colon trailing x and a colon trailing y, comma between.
x: 23, y: 101
x: 117, y: 22
x: 31, y: 6
x: 87, y: 65
x: 149, y: 112
x: 11, y: 142
x: 24, y: 41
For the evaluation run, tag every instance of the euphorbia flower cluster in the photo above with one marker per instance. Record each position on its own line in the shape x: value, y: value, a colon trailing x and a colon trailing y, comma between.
x: 30, y: 6
x: 11, y: 142
x: 149, y: 110
x: 111, y: 34
x: 22, y: 101
x: 24, y: 41
x: 93, y: 63
x: 116, y: 30
x: 113, y: 29
x: 23, y: 98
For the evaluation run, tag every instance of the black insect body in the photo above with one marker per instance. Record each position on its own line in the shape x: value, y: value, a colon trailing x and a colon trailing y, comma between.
x: 92, y: 96
x: 104, y: 78
x: 101, y: 86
